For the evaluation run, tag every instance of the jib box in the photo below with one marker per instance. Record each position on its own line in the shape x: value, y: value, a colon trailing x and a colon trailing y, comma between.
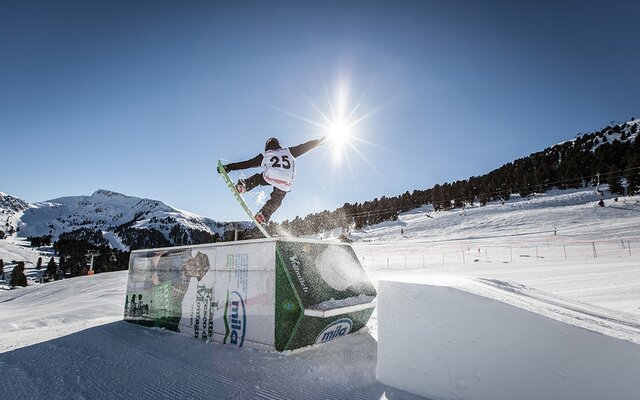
x: 271, y: 294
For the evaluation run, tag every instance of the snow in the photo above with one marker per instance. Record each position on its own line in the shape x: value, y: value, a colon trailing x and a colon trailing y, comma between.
x: 114, y: 241
x: 465, y: 339
x: 72, y: 343
x: 105, y: 210
x: 11, y: 210
x: 17, y: 249
x: 66, y: 339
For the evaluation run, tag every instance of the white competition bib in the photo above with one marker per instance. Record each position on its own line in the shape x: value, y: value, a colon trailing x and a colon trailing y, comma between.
x: 280, y: 168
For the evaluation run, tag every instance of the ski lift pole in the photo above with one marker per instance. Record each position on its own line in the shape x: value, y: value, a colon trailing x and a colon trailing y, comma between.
x: 92, y: 254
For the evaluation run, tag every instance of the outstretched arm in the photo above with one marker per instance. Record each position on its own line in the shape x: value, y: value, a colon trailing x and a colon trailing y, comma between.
x: 300, y: 149
x: 252, y: 163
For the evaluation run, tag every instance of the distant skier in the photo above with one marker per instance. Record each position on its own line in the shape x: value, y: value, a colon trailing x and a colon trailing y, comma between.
x: 280, y: 168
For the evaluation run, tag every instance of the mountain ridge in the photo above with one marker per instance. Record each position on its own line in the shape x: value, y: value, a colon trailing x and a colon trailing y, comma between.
x: 121, y: 221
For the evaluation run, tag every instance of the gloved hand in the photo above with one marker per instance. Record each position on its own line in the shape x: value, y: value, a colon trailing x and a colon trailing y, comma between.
x: 225, y: 169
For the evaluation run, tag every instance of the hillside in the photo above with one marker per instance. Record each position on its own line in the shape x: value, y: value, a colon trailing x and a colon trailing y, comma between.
x: 608, y: 156
x: 77, y: 323
x: 113, y: 219
x: 11, y: 209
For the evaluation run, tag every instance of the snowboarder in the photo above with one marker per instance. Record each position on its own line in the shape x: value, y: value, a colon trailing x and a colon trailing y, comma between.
x: 279, y: 171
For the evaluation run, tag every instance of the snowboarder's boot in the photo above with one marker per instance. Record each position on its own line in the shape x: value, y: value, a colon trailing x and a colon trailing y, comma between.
x: 260, y: 219
x: 241, y: 186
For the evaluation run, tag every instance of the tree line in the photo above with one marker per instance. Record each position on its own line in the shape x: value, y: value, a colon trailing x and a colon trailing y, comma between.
x: 608, y: 156
x: 74, y: 257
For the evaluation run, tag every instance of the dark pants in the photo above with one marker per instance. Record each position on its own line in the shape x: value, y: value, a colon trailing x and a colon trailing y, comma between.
x: 274, y: 201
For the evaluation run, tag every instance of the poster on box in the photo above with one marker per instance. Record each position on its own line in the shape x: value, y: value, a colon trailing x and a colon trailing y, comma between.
x: 245, y: 281
x: 225, y: 294
x: 158, y: 283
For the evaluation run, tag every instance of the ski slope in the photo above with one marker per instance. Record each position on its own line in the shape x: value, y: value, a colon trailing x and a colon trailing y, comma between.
x: 559, y: 242
x: 66, y: 339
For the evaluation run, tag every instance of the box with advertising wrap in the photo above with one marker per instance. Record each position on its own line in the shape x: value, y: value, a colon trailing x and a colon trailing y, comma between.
x: 272, y: 294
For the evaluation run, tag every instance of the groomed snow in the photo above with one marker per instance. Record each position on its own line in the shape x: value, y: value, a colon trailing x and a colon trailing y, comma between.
x: 66, y: 339
x: 486, y: 339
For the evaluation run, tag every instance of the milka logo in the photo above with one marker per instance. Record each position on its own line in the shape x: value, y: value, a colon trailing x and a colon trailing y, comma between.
x: 336, y: 329
x: 295, y: 264
x: 235, y: 319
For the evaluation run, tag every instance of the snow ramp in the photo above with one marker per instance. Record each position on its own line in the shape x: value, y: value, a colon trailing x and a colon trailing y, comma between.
x: 270, y: 294
x: 457, y: 338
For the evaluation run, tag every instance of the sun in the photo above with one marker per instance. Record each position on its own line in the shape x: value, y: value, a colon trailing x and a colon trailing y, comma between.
x: 339, y: 133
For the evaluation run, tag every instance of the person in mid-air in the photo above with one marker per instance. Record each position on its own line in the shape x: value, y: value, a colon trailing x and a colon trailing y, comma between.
x: 279, y: 171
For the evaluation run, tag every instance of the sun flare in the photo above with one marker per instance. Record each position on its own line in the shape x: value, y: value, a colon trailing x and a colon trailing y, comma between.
x: 339, y: 133
x: 342, y: 125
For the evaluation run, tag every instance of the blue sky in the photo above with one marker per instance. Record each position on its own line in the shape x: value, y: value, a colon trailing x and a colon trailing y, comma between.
x: 143, y: 97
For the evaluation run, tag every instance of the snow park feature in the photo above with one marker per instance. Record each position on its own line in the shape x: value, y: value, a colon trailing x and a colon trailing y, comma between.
x: 491, y: 339
x: 268, y: 294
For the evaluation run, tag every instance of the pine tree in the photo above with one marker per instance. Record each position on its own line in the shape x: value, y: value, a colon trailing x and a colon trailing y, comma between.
x: 39, y: 263
x: 614, y: 181
x: 18, y: 278
x: 633, y: 178
x: 52, y: 266
x: 1, y: 268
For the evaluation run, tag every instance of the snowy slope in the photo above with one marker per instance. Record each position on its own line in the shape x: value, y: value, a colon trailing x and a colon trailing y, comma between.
x: 559, y: 242
x: 572, y: 213
x: 18, y: 250
x: 72, y: 343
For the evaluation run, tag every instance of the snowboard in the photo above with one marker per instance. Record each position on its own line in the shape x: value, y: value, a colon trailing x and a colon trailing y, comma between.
x: 238, y: 197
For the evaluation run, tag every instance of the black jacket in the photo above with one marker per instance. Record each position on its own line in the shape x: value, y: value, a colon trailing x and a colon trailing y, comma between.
x: 296, y: 151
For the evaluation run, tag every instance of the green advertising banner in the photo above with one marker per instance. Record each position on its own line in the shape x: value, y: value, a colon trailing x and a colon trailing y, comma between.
x: 333, y: 295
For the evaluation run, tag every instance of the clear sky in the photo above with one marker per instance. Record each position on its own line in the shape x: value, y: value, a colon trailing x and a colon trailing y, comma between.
x: 143, y: 97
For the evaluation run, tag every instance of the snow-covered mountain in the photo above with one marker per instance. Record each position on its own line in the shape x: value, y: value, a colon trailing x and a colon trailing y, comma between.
x: 111, y: 218
x: 11, y: 209
x: 624, y: 132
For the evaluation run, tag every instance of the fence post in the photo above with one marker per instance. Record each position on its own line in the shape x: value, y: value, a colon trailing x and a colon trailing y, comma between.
x: 511, y: 253
x: 565, y: 251
x: 595, y: 255
x: 537, y: 253
x: 629, y: 247
x: 443, y: 257
x: 486, y: 259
